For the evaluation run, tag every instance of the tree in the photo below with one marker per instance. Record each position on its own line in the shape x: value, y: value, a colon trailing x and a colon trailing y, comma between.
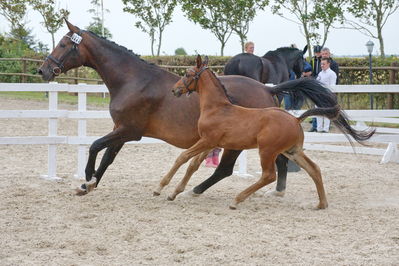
x: 180, y: 51
x: 52, y: 17
x: 372, y: 16
x: 97, y: 25
x: 153, y: 15
x: 314, y: 17
x: 15, y: 11
x: 241, y: 13
x: 211, y: 15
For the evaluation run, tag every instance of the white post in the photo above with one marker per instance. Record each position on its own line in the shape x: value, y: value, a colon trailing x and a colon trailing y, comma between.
x: 82, y: 126
x: 242, y: 165
x: 52, y: 132
x: 391, y: 154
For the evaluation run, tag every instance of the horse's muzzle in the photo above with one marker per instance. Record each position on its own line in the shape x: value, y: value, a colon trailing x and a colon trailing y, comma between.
x: 46, y: 74
x: 177, y: 92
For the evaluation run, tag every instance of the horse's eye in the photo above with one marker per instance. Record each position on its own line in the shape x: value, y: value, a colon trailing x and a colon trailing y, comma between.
x: 62, y: 45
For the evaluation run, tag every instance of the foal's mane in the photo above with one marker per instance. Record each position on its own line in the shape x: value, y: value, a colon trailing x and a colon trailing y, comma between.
x: 219, y: 83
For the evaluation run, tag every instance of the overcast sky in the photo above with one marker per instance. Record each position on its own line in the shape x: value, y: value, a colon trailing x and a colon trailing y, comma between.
x: 268, y: 31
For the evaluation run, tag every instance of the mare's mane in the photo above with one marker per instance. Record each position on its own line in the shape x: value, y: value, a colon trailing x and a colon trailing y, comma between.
x: 121, y: 48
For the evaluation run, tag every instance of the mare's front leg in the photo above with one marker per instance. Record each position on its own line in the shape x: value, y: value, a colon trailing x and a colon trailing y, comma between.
x: 114, y: 141
x: 192, y: 168
x: 197, y: 148
x: 107, y: 160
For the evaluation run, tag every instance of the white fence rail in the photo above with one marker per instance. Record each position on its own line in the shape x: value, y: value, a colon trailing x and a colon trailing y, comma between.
x: 388, y: 136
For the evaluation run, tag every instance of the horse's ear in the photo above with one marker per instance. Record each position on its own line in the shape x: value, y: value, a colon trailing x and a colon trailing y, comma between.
x: 205, y: 61
x: 71, y: 27
x: 305, y: 49
x: 199, y: 61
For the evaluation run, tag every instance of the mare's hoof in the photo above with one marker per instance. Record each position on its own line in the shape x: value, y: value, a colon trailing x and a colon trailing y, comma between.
x: 275, y: 193
x: 190, y: 193
x: 81, y: 191
x: 278, y: 193
x: 91, y: 185
x: 156, y: 193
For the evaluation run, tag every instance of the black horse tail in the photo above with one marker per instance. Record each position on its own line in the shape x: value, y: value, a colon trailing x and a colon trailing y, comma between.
x: 324, y: 98
x: 329, y: 112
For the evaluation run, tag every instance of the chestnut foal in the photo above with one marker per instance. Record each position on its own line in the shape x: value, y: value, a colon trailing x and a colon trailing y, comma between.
x: 222, y: 124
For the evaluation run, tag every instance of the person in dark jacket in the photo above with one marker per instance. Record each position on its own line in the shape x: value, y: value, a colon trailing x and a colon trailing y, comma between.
x: 315, y: 62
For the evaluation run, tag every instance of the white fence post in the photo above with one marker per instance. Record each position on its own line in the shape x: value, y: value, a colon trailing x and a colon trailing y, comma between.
x: 82, y: 131
x: 242, y: 165
x: 52, y: 132
x: 391, y: 154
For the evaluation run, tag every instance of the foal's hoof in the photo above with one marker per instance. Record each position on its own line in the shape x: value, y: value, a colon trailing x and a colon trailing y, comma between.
x: 156, y: 193
x: 233, y: 206
x: 322, y: 206
x: 81, y: 191
x: 171, y: 198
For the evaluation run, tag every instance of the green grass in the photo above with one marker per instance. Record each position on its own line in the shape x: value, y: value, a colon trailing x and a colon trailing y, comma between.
x: 65, y: 98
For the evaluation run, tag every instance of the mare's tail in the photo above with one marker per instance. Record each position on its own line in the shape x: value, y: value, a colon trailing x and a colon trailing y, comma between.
x: 327, y: 102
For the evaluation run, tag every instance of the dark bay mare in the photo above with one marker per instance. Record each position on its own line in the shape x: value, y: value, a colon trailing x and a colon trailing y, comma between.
x: 141, y: 103
x: 273, y: 67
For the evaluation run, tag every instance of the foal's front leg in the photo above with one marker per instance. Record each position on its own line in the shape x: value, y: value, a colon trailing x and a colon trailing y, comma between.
x: 197, y: 148
x: 192, y: 168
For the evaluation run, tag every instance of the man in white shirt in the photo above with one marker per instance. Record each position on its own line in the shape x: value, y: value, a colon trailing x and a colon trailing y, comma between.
x: 327, y: 77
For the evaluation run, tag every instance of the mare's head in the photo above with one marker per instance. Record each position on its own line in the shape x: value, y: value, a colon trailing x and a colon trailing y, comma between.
x: 188, y: 83
x: 67, y: 54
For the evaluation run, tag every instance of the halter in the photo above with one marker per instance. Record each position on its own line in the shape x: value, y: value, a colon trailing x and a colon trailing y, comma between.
x: 195, y: 78
x: 76, y: 38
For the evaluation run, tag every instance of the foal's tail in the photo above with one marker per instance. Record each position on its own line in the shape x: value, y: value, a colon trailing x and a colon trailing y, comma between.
x: 329, y: 112
x: 326, y: 102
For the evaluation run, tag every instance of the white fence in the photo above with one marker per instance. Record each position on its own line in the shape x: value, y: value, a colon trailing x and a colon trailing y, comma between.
x: 314, y: 141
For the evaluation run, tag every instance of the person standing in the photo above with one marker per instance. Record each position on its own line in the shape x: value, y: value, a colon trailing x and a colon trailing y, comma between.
x: 327, y: 77
x: 315, y: 63
x: 325, y: 53
x: 249, y: 47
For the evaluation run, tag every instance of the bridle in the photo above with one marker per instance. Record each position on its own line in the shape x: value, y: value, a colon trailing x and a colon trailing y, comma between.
x: 195, y: 78
x: 75, y: 38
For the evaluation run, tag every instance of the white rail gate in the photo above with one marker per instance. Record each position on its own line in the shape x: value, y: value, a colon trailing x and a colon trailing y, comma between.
x: 313, y: 141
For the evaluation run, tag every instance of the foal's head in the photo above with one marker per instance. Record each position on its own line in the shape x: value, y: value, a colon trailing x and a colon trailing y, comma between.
x: 65, y: 56
x: 188, y: 83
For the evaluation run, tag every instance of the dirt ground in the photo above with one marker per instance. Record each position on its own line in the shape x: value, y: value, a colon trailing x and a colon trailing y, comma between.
x: 121, y: 223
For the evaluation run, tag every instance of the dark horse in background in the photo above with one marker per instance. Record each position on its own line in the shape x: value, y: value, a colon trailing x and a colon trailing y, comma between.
x: 141, y: 102
x: 273, y: 67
